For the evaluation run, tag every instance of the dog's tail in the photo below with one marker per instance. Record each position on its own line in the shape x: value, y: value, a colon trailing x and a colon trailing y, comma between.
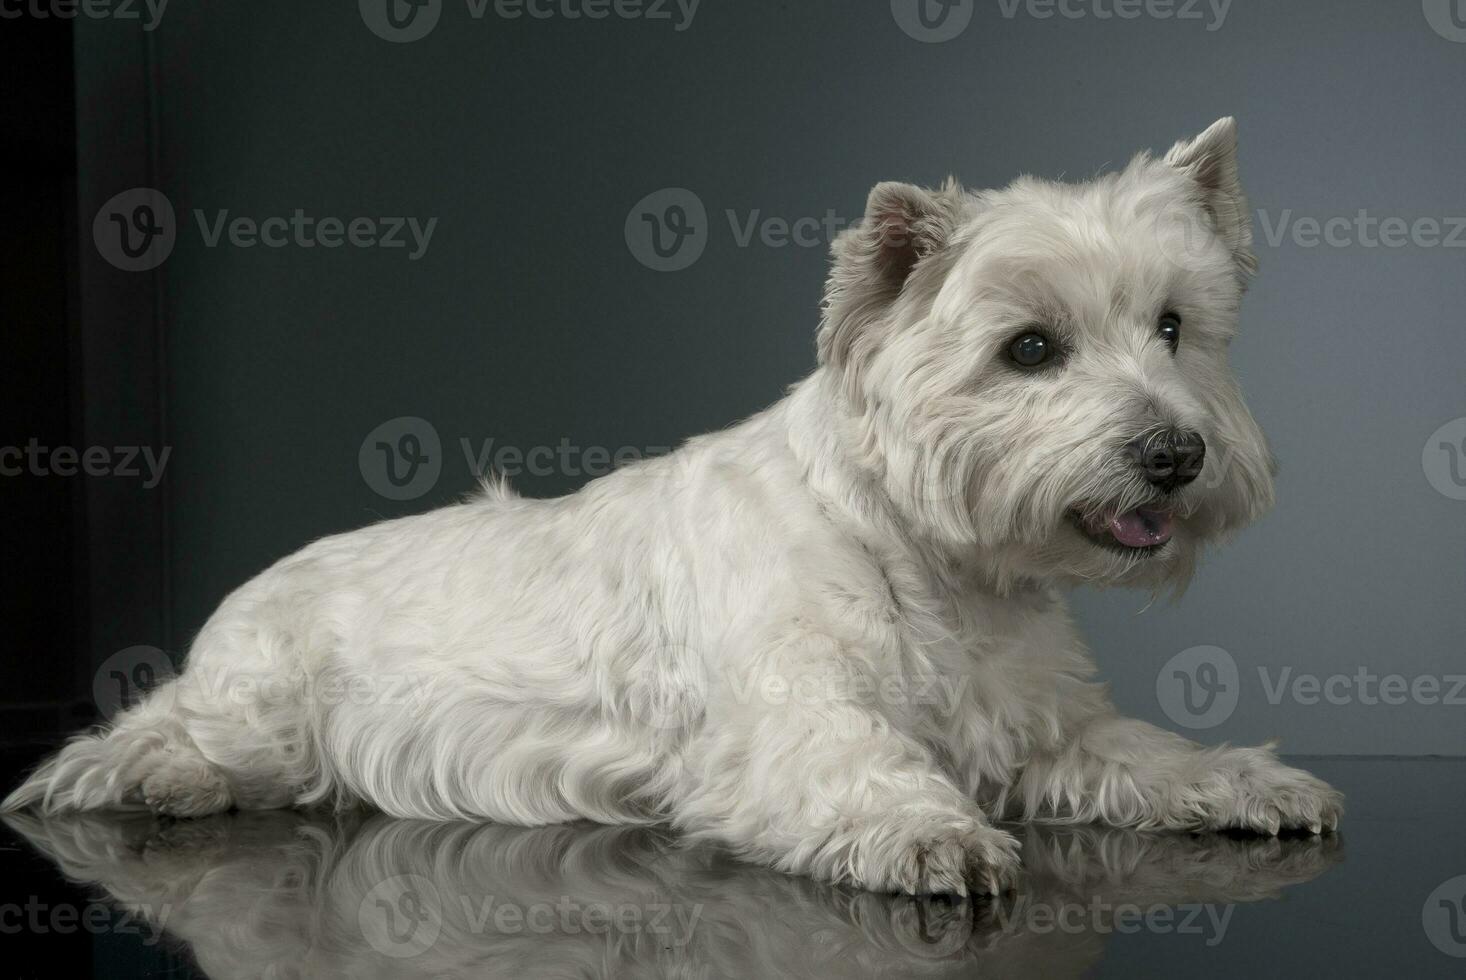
x: 104, y: 768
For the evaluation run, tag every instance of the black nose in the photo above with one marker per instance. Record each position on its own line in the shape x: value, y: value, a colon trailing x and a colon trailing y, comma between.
x: 1170, y: 458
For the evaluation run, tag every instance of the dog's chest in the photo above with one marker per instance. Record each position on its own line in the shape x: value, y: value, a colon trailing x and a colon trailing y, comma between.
x: 996, y: 676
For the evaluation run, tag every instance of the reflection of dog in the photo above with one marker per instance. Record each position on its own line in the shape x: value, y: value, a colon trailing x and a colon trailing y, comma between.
x: 285, y: 894
x: 1017, y: 390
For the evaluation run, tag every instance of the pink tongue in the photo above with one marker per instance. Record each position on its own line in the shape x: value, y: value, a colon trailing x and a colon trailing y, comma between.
x: 1141, y: 528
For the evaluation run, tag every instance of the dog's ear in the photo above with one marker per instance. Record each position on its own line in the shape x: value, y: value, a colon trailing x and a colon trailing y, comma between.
x: 874, y: 260
x: 1210, y: 160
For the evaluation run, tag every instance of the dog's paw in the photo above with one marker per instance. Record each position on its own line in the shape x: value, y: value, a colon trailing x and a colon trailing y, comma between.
x: 973, y: 857
x: 1273, y: 798
x: 185, y: 788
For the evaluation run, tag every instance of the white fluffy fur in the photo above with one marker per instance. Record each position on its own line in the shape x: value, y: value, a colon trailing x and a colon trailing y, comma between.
x: 886, y: 543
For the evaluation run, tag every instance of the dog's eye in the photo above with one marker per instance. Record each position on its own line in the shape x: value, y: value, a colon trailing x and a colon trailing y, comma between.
x: 1170, y: 330
x: 1030, y: 350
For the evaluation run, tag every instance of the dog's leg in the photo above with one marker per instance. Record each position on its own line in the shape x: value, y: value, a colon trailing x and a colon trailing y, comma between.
x: 146, y: 757
x: 806, y: 776
x: 1128, y: 773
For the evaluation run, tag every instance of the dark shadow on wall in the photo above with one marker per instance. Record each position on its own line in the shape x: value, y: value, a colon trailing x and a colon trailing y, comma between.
x: 82, y: 574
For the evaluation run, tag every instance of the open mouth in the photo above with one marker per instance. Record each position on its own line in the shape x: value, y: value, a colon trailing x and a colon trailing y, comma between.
x: 1138, y: 531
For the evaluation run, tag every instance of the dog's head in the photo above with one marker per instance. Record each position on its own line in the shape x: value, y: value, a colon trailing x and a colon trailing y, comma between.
x: 1040, y: 373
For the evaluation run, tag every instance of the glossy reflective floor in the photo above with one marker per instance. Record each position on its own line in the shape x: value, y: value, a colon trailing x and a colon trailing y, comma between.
x: 288, y: 894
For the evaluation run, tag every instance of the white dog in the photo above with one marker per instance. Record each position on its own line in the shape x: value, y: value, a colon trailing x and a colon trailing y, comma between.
x: 829, y: 637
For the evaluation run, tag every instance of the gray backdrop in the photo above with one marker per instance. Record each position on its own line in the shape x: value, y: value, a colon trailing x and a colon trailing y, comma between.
x: 530, y: 320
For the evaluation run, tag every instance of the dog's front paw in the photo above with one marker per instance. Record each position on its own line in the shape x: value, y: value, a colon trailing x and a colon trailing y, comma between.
x: 1269, y: 798
x: 963, y: 857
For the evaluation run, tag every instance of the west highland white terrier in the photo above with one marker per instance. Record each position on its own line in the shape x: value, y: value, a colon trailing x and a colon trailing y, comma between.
x: 831, y: 637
